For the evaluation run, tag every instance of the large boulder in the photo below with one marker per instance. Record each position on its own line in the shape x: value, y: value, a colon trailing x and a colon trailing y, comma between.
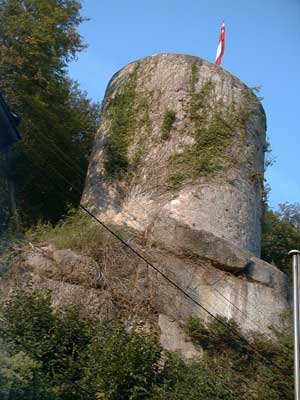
x: 179, y: 158
x: 184, y: 139
x: 255, y: 296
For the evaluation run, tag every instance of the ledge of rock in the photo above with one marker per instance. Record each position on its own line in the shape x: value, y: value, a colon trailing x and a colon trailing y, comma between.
x: 256, y: 299
x: 64, y: 265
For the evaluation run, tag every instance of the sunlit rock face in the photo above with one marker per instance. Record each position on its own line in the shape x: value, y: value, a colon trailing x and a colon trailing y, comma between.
x: 179, y: 158
x: 180, y: 139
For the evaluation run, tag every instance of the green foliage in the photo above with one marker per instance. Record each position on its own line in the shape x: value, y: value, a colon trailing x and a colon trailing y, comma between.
x: 74, y: 358
x: 167, y: 123
x: 60, y: 355
x: 122, y: 365
x: 215, y: 127
x: 18, y: 375
x: 53, y: 343
x: 37, y: 40
x: 130, y: 125
x: 75, y: 231
x: 212, y: 135
x: 193, y: 381
x: 217, y: 335
x: 123, y: 119
x: 249, y: 375
x: 281, y: 233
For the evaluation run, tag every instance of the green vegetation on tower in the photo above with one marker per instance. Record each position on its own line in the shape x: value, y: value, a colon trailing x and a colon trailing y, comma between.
x: 215, y: 128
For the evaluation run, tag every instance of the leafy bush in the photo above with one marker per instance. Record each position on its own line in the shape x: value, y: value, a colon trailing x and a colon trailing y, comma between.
x: 18, y: 374
x: 219, y: 335
x: 268, y: 376
x: 61, y: 356
x: 122, y: 365
x: 74, y: 358
x: 193, y: 381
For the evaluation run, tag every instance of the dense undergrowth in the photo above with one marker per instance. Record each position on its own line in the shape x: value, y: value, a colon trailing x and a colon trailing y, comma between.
x: 60, y: 355
x: 45, y: 354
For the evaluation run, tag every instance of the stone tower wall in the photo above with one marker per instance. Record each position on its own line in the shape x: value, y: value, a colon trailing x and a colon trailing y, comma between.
x: 180, y: 139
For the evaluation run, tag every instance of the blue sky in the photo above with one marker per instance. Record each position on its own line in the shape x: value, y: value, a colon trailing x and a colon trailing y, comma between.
x: 262, y: 49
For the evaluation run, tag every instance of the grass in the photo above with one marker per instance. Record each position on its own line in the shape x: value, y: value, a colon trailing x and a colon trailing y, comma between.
x: 78, y: 232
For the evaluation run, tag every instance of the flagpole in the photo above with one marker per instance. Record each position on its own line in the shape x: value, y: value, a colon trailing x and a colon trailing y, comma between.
x: 295, y: 254
x: 221, y: 45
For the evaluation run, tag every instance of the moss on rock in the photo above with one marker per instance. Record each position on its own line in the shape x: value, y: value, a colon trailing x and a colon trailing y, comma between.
x: 122, y: 118
x: 214, y: 129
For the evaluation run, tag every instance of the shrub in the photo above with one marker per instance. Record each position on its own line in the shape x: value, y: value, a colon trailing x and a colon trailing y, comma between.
x: 193, y: 381
x: 72, y: 357
x: 267, y: 377
x: 122, y: 365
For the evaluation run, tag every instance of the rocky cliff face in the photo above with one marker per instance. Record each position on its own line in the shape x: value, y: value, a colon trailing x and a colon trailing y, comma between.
x: 232, y: 284
x: 179, y: 159
x: 179, y: 139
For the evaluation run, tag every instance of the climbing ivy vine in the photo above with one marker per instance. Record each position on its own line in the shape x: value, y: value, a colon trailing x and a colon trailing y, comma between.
x: 214, y: 128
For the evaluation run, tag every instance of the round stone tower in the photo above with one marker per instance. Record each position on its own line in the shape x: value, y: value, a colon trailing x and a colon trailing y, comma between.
x: 180, y: 139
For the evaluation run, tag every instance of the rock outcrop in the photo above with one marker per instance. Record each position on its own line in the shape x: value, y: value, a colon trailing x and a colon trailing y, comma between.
x: 255, y: 296
x: 182, y: 139
x: 179, y: 159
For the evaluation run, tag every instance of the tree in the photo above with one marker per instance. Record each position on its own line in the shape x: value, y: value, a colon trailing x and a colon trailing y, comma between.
x: 37, y: 40
x: 281, y: 233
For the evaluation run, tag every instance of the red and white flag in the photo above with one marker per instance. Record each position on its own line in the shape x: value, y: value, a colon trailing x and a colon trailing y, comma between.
x: 221, y: 45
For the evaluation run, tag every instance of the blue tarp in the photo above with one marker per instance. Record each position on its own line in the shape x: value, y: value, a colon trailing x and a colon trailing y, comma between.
x: 8, y: 125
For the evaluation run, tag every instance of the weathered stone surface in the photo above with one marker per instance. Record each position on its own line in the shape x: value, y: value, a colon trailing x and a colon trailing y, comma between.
x: 265, y: 273
x: 63, y: 265
x: 216, y: 186
x: 256, y: 304
x: 173, y: 338
x: 194, y: 196
x: 184, y: 239
x: 89, y: 301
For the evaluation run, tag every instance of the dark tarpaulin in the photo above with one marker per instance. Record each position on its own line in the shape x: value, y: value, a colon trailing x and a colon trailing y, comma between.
x: 8, y: 126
